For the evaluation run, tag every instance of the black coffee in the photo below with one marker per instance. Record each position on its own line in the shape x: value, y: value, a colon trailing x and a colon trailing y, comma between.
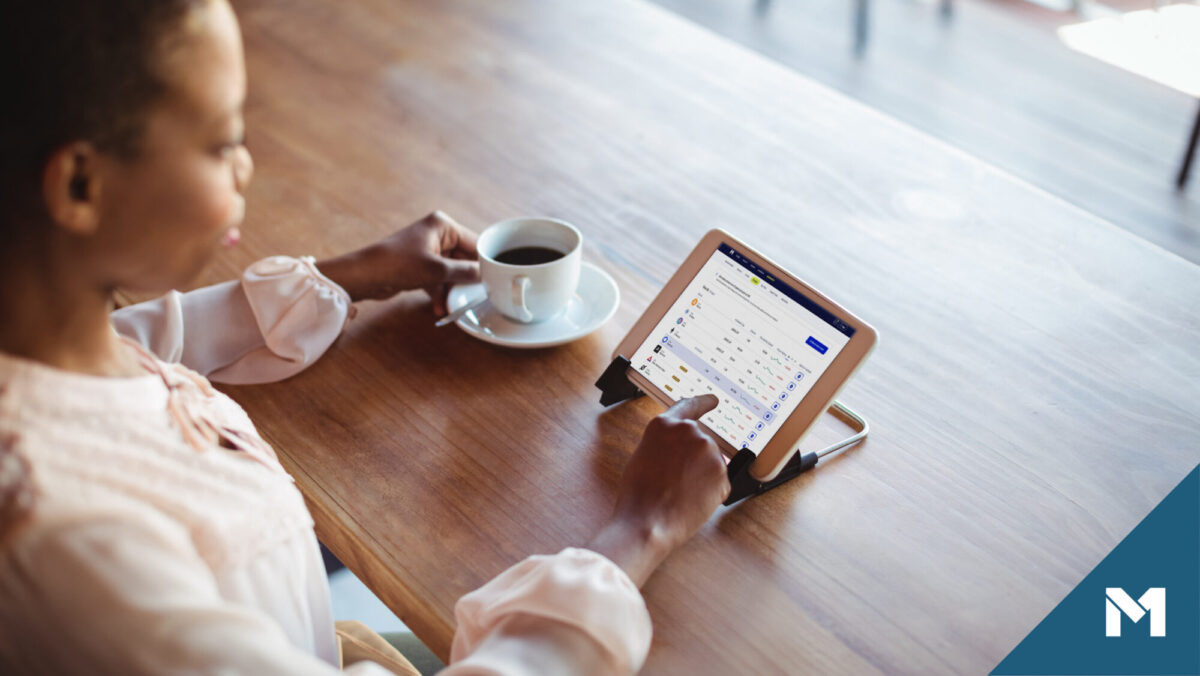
x: 529, y: 255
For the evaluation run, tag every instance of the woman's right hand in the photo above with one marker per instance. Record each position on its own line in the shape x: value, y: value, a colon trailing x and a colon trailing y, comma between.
x: 672, y: 484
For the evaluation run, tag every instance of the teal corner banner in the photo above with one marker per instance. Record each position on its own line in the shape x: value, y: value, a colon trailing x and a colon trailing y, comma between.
x: 1138, y: 611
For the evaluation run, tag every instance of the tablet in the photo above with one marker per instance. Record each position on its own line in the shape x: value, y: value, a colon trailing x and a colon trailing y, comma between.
x: 772, y: 348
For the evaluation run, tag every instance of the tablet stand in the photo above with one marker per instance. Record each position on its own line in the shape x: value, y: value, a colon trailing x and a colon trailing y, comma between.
x: 616, y: 387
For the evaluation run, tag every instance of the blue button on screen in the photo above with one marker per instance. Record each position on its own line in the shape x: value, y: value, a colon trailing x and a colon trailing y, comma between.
x: 816, y: 345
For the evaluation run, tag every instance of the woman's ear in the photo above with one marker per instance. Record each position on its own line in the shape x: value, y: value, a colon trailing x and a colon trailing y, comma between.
x: 71, y: 187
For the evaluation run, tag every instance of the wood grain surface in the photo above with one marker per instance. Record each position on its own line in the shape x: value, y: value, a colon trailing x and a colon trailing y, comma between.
x: 1033, y: 396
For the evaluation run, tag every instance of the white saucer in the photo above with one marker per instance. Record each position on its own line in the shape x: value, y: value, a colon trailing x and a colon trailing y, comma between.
x: 595, y: 300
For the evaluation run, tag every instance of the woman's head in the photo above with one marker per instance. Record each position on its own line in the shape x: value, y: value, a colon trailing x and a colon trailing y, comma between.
x: 122, y: 147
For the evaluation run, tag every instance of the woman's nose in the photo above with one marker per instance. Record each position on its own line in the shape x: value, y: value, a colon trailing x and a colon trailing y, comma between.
x: 243, y: 168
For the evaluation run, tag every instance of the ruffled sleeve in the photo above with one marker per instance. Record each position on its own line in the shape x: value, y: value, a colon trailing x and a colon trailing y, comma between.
x: 271, y: 324
x: 597, y: 616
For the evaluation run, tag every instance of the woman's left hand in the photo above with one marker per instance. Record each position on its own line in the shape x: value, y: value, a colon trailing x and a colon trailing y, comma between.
x: 431, y: 254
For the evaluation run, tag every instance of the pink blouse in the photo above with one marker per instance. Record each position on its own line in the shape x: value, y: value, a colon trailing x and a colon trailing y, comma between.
x: 145, y: 527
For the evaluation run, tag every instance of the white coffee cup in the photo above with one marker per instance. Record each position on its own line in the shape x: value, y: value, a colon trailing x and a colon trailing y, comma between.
x: 531, y: 291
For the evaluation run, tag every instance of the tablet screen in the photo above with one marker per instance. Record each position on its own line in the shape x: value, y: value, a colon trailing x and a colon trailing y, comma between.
x: 753, y: 340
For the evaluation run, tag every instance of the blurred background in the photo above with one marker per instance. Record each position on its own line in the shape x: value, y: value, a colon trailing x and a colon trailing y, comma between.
x: 1094, y: 103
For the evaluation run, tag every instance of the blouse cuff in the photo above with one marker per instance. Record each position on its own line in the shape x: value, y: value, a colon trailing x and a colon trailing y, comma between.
x: 299, y: 312
x: 577, y: 587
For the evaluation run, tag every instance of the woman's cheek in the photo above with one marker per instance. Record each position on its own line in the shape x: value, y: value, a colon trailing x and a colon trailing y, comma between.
x: 227, y: 210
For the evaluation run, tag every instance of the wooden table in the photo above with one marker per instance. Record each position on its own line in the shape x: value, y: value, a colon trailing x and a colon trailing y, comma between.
x: 1033, y: 396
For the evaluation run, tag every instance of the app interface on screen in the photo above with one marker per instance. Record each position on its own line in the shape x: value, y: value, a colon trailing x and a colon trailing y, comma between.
x: 747, y: 337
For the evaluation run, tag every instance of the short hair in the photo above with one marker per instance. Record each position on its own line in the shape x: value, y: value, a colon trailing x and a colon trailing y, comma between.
x: 75, y: 70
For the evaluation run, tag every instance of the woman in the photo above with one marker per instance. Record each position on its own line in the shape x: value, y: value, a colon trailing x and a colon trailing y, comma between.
x: 144, y: 525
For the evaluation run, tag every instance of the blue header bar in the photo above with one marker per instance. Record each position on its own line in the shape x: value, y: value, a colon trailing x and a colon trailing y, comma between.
x: 804, y: 301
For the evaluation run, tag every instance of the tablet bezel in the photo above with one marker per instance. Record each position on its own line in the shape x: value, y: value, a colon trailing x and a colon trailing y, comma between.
x: 797, y: 425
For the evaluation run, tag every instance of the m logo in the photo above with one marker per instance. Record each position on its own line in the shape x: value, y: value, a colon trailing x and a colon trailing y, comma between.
x: 1164, y: 551
x: 1152, y: 603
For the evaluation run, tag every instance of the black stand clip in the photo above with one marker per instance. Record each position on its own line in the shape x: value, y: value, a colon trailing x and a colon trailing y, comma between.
x: 615, y: 387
